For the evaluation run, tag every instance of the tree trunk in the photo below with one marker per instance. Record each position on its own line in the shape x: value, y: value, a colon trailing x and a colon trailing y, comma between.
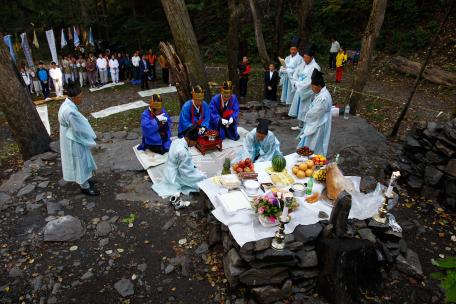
x: 420, y: 74
x: 20, y: 112
x: 85, y: 20
x: 367, y: 49
x: 185, y: 40
x: 431, y: 73
x: 278, y: 33
x: 234, y: 8
x: 304, y: 13
x: 262, y: 52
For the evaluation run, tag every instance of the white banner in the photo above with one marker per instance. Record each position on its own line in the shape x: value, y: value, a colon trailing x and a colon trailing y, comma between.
x: 51, y: 41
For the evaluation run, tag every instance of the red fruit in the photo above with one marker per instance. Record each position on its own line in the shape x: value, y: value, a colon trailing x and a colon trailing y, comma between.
x: 251, y: 167
x: 241, y: 163
x: 239, y: 170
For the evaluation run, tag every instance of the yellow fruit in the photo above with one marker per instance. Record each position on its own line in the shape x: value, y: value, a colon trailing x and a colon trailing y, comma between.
x: 310, y: 164
x: 309, y: 172
x: 295, y: 169
x: 303, y: 167
x: 301, y: 174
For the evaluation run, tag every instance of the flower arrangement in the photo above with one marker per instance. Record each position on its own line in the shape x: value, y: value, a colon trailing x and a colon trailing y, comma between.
x: 269, y: 206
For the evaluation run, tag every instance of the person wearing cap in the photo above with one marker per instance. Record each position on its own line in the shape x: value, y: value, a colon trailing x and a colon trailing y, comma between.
x: 56, y: 75
x: 224, y: 108
x: 76, y: 139
x: 260, y: 144
x: 317, y: 122
x: 155, y: 126
x: 301, y: 82
x: 180, y: 174
x: 194, y: 112
x: 286, y: 74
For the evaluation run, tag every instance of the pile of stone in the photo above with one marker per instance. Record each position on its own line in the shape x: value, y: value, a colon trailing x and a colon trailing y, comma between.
x: 428, y: 161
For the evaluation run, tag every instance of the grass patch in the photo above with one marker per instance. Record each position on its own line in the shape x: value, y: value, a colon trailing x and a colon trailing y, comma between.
x: 8, y: 151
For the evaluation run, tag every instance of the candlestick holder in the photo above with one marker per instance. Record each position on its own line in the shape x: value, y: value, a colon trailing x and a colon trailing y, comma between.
x: 278, y: 243
x: 380, y: 216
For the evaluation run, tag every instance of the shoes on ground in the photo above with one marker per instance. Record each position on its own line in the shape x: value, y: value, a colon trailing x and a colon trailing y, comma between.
x: 90, y: 191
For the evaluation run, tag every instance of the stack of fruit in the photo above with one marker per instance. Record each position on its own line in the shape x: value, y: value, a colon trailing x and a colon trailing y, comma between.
x: 303, y: 170
x: 304, y: 151
x: 319, y: 160
x: 245, y: 165
x: 320, y: 175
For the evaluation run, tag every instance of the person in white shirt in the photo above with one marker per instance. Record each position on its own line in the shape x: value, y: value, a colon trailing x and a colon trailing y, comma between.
x: 102, y: 69
x: 335, y: 47
x: 114, y: 68
x: 27, y: 79
x: 56, y: 75
x: 135, y: 62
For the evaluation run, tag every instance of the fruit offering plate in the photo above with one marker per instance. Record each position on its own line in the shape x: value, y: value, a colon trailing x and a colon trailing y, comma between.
x: 270, y: 170
x: 282, y: 179
x: 304, y: 151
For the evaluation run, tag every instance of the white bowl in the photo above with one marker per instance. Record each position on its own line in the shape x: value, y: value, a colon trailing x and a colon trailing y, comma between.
x: 251, y: 186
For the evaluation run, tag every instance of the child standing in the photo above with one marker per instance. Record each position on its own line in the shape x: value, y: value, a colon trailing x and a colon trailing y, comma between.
x: 341, y: 59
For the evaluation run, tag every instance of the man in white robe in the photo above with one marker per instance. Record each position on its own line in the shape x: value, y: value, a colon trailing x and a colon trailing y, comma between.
x: 56, y: 75
x: 260, y: 144
x: 180, y: 173
x: 303, y: 92
x: 286, y: 73
x: 317, y: 124
x: 76, y: 139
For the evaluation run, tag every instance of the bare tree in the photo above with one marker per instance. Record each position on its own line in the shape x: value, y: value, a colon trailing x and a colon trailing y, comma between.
x: 305, y: 8
x: 185, y: 40
x: 367, y: 49
x: 262, y: 51
x: 234, y: 8
x: 20, y: 112
x: 420, y: 74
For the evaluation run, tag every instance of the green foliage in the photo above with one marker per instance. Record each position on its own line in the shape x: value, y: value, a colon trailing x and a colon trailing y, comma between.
x: 448, y: 277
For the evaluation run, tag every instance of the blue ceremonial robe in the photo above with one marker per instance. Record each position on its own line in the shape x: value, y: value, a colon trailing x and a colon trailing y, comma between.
x: 317, y: 123
x: 230, y: 109
x: 76, y: 139
x: 180, y: 174
x: 154, y: 133
x: 260, y: 150
x: 185, y: 117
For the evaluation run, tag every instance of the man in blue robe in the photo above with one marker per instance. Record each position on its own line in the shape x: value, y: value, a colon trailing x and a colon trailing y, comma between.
x: 76, y: 139
x: 155, y: 126
x: 317, y: 124
x: 260, y: 144
x: 194, y: 112
x: 180, y: 173
x: 224, y: 109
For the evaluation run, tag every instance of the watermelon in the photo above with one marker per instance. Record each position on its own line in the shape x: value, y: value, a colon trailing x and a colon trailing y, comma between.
x: 279, y: 163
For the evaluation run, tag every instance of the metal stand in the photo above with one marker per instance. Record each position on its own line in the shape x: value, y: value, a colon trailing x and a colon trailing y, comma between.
x: 380, y: 216
x: 278, y: 243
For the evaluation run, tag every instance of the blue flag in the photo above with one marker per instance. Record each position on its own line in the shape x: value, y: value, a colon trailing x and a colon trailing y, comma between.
x: 91, y: 40
x: 9, y: 43
x: 75, y: 37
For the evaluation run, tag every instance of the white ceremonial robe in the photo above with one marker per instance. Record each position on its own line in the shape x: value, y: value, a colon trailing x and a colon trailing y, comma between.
x: 180, y: 173
x: 76, y: 139
x: 259, y: 151
x: 317, y: 123
x: 291, y: 62
x: 303, y: 94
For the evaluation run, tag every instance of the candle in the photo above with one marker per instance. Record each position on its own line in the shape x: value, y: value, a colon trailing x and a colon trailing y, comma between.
x: 284, y: 213
x: 394, y: 177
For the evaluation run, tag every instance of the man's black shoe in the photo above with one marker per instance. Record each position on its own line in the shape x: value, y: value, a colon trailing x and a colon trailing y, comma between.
x: 90, y: 191
x: 92, y: 182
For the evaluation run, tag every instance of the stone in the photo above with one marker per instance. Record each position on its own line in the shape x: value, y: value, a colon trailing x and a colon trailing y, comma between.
x: 444, y: 149
x: 267, y: 294
x: 214, y: 234
x: 202, y: 248
x: 142, y: 267
x: 450, y: 187
x: 293, y: 246
x: 263, y: 244
x: 132, y: 136
x: 307, y: 233
x: 16, y: 272
x: 119, y: 134
x: 410, y: 264
x: 232, y: 272
x: 52, y: 300
x: 451, y: 168
x: 103, y: 242
x: 124, y: 287
x: 86, y: 276
x: 26, y: 190
x: 43, y: 184
x: 169, y: 224
x: 103, y: 229
x: 55, y: 146
x: 107, y: 136
x: 412, y: 143
x: 434, y: 158
x: 227, y: 240
x: 66, y: 228
x: 415, y: 182
x: 4, y: 198
x: 366, y: 234
x: 432, y: 175
x: 53, y: 207
x: 64, y: 203
x: 300, y: 274
x: 323, y: 215
x: 47, y: 156
x: 307, y: 258
x: 286, y: 288
x: 37, y: 282
x: 233, y: 258
x: 168, y: 269
x: 15, y: 182
x: 258, y: 277
x: 246, y: 251
x: 272, y: 255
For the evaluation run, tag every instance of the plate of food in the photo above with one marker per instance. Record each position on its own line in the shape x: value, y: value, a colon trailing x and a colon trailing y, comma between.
x: 304, y: 151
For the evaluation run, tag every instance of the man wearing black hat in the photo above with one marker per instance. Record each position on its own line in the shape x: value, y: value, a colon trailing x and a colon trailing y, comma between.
x: 180, y: 173
x: 301, y: 82
x: 317, y: 127
x: 260, y: 144
x: 286, y: 73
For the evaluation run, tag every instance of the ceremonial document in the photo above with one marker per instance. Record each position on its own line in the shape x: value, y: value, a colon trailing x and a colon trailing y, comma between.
x: 282, y: 62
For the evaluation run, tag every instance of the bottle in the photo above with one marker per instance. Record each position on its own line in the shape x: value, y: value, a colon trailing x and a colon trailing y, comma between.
x: 347, y: 111
x: 309, y: 186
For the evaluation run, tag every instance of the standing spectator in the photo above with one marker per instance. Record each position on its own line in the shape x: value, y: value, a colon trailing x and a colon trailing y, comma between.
x: 26, y: 77
x: 244, y: 71
x: 144, y: 70
x: 36, y: 81
x: 271, y: 80
x: 43, y: 76
x: 135, y: 62
x: 74, y: 69
x: 341, y: 59
x: 66, y: 69
x: 121, y: 60
x: 91, y: 68
x: 151, y: 57
x: 356, y: 57
x: 128, y: 68
x: 335, y: 47
x: 114, y: 68
x: 81, y: 66
x: 56, y: 75
x: 164, y: 65
x: 102, y: 66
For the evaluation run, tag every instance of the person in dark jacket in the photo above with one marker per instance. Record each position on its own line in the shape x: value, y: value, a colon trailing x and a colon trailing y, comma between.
x: 144, y: 71
x: 271, y: 80
x: 244, y: 71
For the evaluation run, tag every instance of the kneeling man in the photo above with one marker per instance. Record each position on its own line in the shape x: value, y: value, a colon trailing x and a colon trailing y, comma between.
x: 260, y: 144
x: 155, y: 126
x: 224, y: 109
x: 194, y: 112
